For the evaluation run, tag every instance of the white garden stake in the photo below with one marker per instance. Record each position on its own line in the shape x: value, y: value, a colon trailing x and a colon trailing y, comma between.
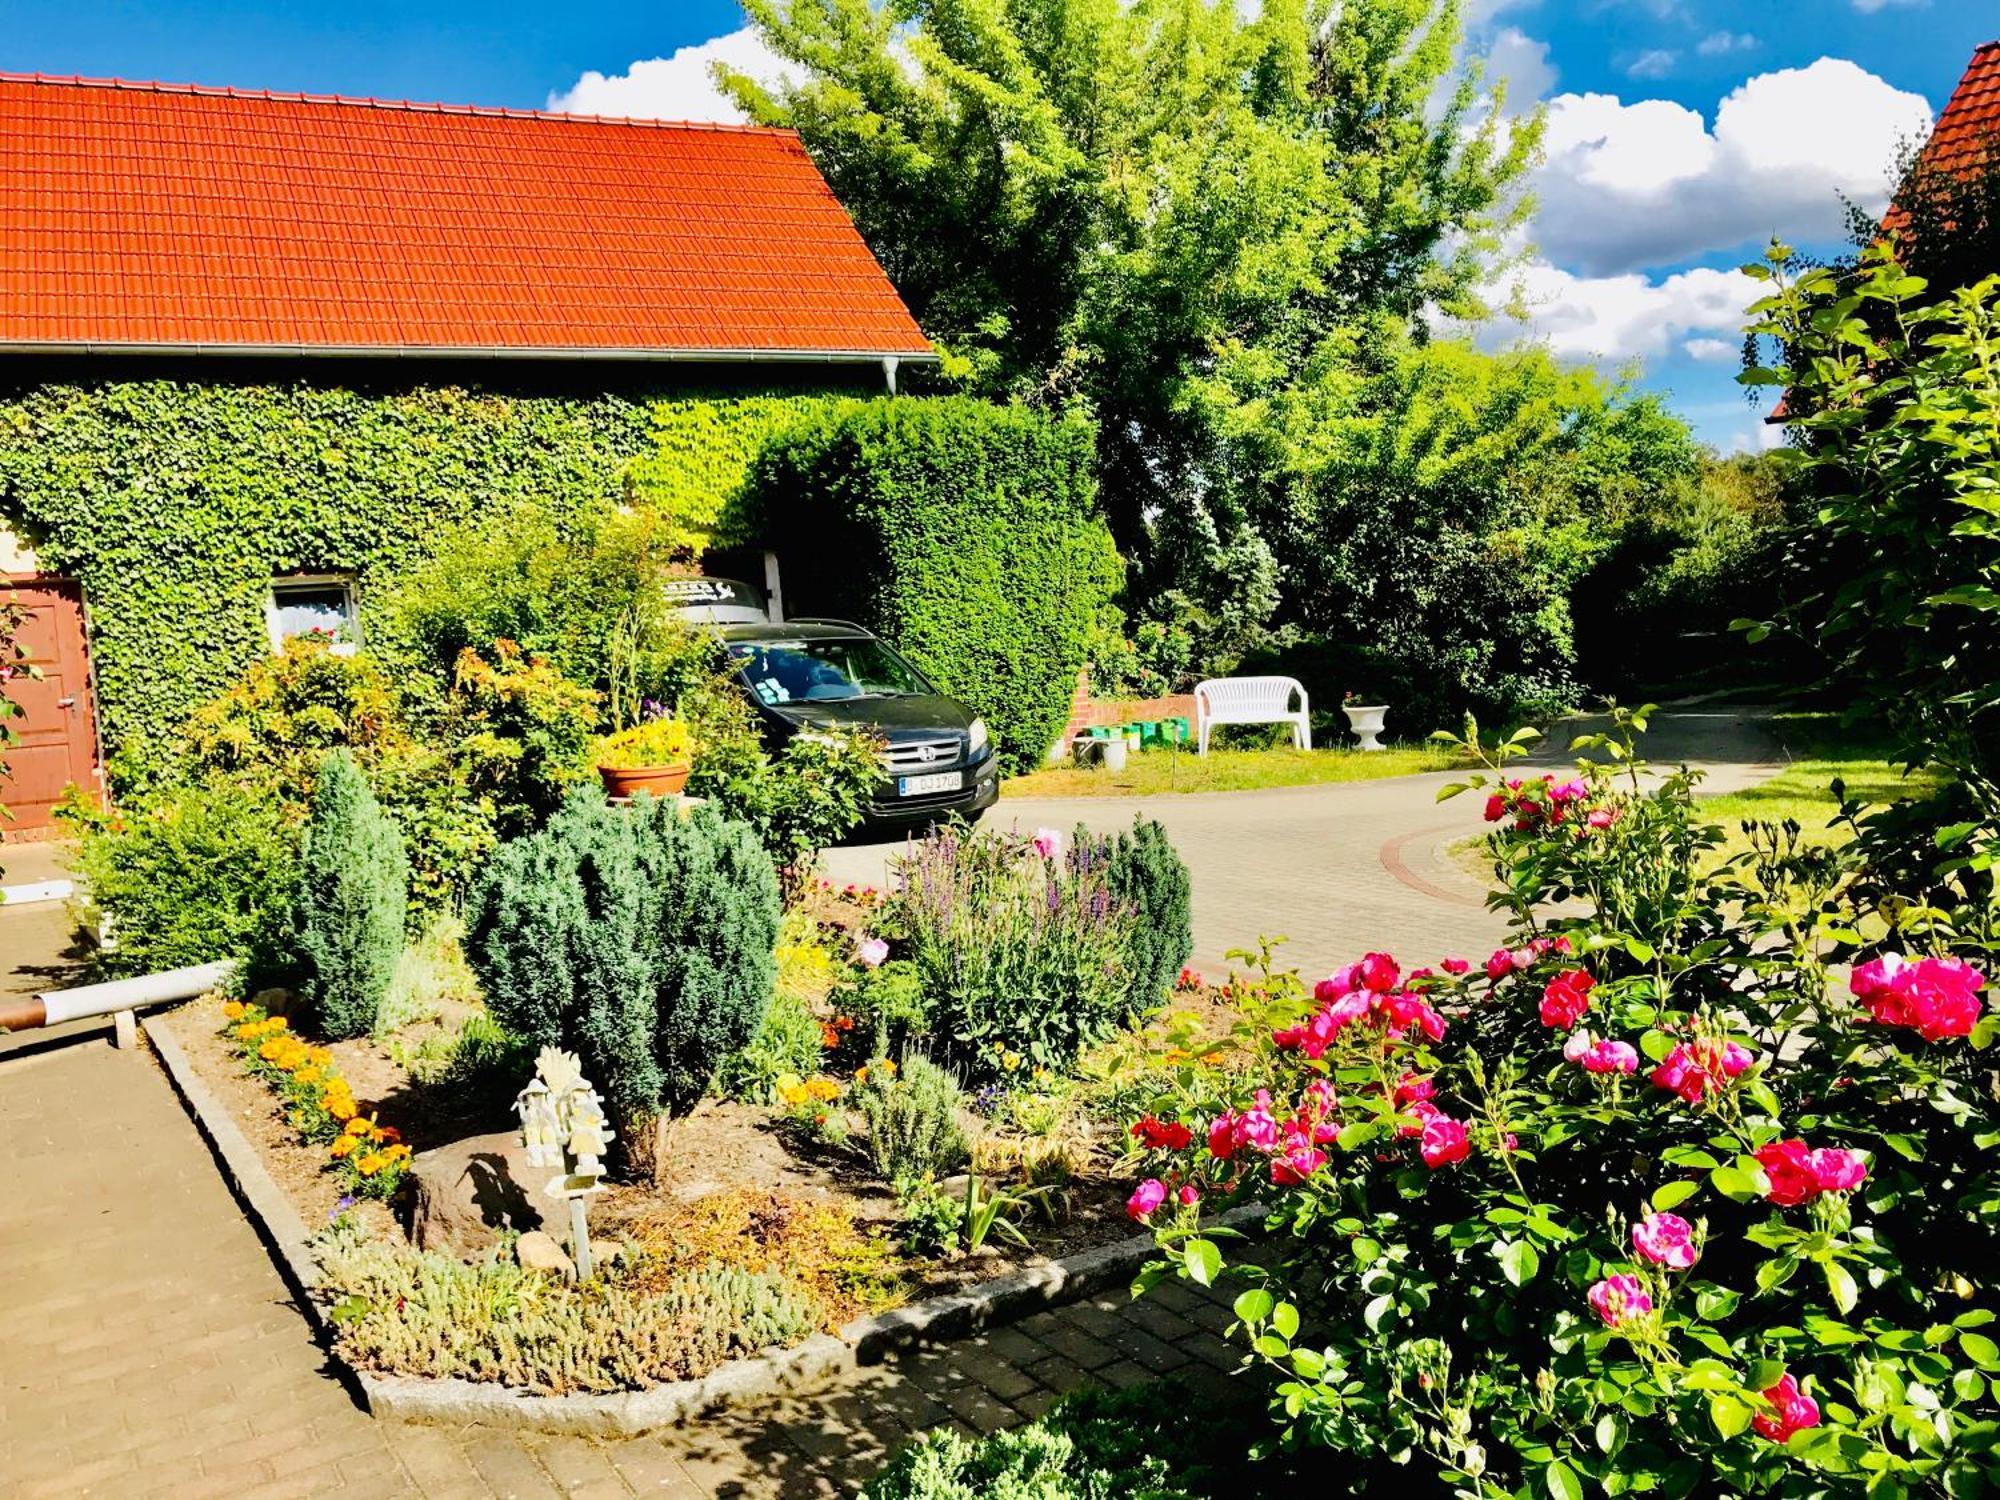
x: 562, y: 1125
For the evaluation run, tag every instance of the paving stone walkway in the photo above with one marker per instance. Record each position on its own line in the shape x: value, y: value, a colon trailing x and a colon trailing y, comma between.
x: 148, y: 1347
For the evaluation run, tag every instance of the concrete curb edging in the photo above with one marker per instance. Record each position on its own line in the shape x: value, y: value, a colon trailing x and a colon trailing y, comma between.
x: 864, y: 1341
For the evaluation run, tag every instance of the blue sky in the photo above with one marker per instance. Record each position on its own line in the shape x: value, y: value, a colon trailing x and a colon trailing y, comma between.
x: 1683, y: 132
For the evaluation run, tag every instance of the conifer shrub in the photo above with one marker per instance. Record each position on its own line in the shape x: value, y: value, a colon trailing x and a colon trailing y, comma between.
x: 1148, y: 873
x: 352, y: 894
x: 639, y: 938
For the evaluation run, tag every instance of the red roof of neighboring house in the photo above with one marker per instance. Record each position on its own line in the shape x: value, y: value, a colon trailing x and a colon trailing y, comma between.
x: 1969, y: 129
x: 157, y: 216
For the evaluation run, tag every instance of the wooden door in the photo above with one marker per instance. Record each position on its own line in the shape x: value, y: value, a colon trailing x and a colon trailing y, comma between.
x: 56, y: 729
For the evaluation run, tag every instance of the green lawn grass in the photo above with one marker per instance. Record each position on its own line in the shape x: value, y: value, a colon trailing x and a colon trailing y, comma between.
x: 1157, y: 771
x: 1803, y: 792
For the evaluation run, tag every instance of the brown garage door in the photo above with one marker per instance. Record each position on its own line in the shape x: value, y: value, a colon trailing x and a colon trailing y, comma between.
x: 57, y: 727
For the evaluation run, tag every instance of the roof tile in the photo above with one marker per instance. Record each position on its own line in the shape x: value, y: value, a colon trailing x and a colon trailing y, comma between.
x: 155, y: 213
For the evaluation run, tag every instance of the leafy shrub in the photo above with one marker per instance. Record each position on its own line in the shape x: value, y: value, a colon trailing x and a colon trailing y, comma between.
x: 523, y: 733
x: 348, y: 913
x: 813, y: 794
x: 432, y: 978
x: 636, y: 937
x: 912, y: 1115
x: 204, y: 873
x: 417, y: 1312
x: 1094, y: 1445
x: 13, y: 662
x: 1652, y: 1201
x: 964, y: 533
x: 1021, y: 947
x: 1147, y: 873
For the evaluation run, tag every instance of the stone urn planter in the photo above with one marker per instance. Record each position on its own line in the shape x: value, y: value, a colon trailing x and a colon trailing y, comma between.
x: 1365, y: 721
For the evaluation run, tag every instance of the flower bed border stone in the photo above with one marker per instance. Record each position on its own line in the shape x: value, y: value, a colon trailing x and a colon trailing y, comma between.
x: 864, y: 1341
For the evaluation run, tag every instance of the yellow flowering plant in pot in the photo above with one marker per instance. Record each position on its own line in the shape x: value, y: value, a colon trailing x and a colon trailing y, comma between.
x: 654, y: 756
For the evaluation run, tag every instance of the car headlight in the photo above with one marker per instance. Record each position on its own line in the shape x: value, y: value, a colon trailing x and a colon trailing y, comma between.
x: 975, y: 739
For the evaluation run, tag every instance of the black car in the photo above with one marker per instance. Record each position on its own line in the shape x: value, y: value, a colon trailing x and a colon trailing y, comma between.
x: 810, y: 674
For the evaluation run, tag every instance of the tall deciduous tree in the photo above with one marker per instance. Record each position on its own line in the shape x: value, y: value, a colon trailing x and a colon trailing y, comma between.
x: 1160, y: 210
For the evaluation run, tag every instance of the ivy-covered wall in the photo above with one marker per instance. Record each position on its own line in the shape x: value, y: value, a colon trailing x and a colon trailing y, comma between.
x: 175, y: 502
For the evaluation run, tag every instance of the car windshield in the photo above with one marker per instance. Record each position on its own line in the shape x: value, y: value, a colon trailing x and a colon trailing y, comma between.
x: 824, y: 671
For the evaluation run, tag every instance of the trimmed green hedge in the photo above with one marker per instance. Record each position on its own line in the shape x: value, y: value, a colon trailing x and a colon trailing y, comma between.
x: 965, y: 533
x: 175, y: 503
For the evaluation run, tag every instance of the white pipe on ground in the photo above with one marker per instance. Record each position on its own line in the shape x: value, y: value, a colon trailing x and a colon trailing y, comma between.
x: 114, y: 996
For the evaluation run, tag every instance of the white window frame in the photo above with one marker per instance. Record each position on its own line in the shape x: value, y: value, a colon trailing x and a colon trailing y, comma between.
x: 342, y: 581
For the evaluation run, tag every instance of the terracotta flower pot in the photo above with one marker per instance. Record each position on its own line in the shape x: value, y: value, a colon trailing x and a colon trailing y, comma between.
x: 629, y: 781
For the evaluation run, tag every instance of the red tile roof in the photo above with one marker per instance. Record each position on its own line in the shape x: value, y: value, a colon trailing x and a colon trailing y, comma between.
x: 1969, y: 129
x: 149, y: 215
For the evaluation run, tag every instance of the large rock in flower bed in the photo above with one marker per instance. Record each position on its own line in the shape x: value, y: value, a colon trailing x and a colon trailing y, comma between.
x: 465, y: 1194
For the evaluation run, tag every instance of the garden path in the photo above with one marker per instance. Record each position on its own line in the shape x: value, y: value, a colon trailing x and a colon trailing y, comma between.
x: 149, y: 1348
x: 1344, y: 868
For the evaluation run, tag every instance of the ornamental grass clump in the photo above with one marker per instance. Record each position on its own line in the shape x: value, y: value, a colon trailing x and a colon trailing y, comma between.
x: 418, y: 1312
x: 639, y: 938
x: 1655, y: 1199
x: 1022, y: 948
x: 352, y: 894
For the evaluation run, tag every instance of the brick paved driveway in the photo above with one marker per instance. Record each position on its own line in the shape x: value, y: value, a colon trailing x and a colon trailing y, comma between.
x: 1347, y: 867
x: 148, y: 1347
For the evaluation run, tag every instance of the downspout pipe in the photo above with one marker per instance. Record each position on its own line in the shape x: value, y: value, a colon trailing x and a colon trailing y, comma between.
x: 114, y: 997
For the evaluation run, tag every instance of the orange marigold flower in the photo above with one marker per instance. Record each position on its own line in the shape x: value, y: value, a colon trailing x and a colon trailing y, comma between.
x: 231, y: 1009
x: 344, y: 1146
x: 389, y: 1133
x: 369, y: 1165
x: 340, y: 1106
x: 307, y: 1075
x: 359, y: 1126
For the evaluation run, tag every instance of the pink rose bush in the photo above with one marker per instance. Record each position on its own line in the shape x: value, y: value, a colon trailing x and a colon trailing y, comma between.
x: 1667, y: 1199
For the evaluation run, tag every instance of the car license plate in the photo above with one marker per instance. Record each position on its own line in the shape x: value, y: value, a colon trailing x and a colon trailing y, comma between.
x: 937, y: 781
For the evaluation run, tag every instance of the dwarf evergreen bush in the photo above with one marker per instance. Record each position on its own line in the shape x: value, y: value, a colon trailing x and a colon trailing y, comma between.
x: 913, y: 1129
x: 639, y: 938
x: 1147, y: 872
x: 352, y: 892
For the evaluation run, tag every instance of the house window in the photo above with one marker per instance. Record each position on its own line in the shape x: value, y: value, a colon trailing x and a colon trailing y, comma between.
x: 320, y: 604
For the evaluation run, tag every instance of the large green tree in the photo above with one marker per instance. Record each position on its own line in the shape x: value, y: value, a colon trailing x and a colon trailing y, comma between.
x: 1161, y: 211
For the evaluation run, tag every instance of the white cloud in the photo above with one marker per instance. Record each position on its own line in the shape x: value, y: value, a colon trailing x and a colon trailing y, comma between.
x: 1709, y: 350
x: 1523, y: 62
x: 1649, y: 183
x: 1656, y: 62
x: 672, y: 88
x: 1722, y: 43
x: 1618, y: 318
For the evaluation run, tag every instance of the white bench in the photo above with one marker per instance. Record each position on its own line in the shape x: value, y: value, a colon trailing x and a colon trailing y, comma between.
x: 1251, y: 700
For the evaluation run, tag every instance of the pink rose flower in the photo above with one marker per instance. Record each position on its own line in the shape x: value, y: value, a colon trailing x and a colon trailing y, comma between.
x: 1444, y: 1141
x: 1792, y: 1411
x: 1665, y: 1240
x: 1146, y: 1198
x: 1339, y: 983
x: 1048, y: 843
x: 871, y: 951
x: 1619, y: 1299
x: 1788, y: 1166
x: 1938, y: 998
x: 1411, y: 1088
x: 1298, y: 1161
x: 1693, y: 1069
x: 1257, y: 1127
x: 1496, y: 808
x: 1601, y: 818
x: 1454, y: 965
x: 1837, y: 1171
x: 1404, y: 1011
x: 1189, y: 1195
x: 1566, y: 998
x: 1377, y: 972
x: 1500, y: 965
x: 1222, y: 1142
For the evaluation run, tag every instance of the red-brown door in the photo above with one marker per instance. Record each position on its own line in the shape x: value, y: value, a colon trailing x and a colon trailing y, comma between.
x: 56, y: 729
